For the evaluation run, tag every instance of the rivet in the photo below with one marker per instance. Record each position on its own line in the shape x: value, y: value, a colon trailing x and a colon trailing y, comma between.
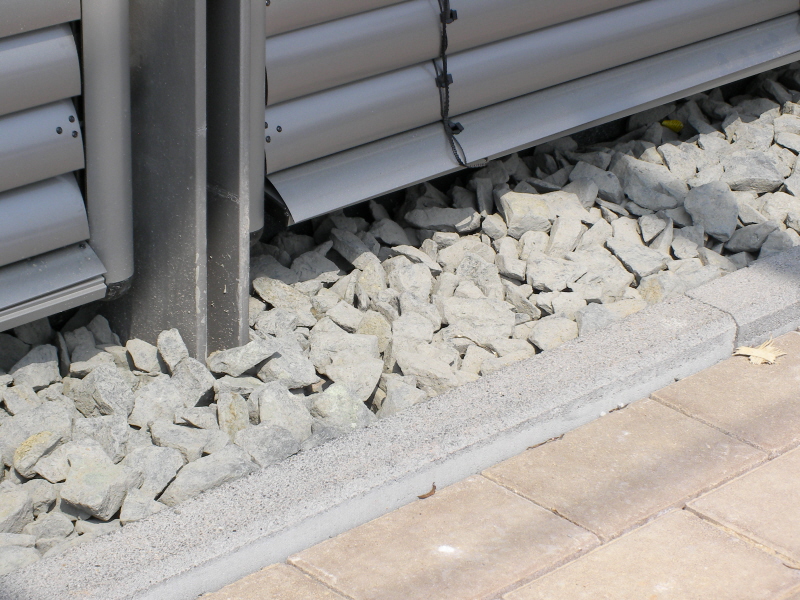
x: 279, y: 129
x: 59, y: 130
x: 74, y: 134
x: 269, y: 139
x: 266, y: 125
x: 267, y: 2
x: 81, y: 245
x: 71, y: 119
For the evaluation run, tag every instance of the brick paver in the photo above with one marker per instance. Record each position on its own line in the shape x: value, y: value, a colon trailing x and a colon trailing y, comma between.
x: 619, y: 471
x: 763, y: 506
x: 470, y: 540
x: 676, y: 557
x: 278, y: 582
x: 756, y: 403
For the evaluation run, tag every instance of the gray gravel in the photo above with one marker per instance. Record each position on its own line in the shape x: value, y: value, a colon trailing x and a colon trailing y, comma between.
x: 361, y: 314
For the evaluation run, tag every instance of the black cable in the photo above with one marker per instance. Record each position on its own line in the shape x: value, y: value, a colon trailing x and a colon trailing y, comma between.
x: 443, y: 81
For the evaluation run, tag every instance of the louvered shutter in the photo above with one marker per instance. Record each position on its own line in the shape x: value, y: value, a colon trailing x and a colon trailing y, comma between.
x: 366, y: 81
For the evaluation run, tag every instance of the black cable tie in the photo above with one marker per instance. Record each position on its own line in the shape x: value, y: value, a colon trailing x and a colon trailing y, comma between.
x: 449, y: 16
x: 455, y: 127
x: 444, y: 80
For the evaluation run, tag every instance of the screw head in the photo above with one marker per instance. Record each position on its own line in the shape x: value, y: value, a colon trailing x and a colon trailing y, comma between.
x: 74, y: 134
x: 71, y: 119
x: 267, y: 2
x: 59, y: 131
x: 279, y: 129
x: 269, y: 139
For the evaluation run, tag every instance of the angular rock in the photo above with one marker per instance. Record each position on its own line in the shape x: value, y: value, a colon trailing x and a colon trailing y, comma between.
x: 494, y: 227
x: 389, y: 232
x: 714, y: 207
x: 426, y: 364
x: 650, y: 226
x: 46, y: 417
x: 313, y: 265
x: 550, y: 274
x: 171, y: 348
x: 648, y: 185
x: 639, y: 260
x: 17, y: 539
x: 280, y: 295
x: 38, y: 368
x: 345, y: 316
x: 339, y: 409
x: 35, y: 333
x: 98, y: 488
x: 188, y: 441
x: 608, y: 185
x: 566, y: 304
x: 157, y: 400
x: 413, y: 278
x: 751, y: 237
x: 237, y: 361
x: 12, y: 350
x: 291, y: 368
x: 776, y: 242
x: 267, y: 444
x: 229, y: 464
x: 43, y: 495
x: 416, y: 255
x: 524, y: 212
x: 483, y: 274
x: 660, y: 286
x: 202, y: 417
x: 194, y: 380
x: 481, y: 320
x: 461, y: 220
x: 53, y: 525
x: 232, y: 414
x: 138, y: 505
x: 158, y: 466
x: 16, y: 510
x: 351, y: 248
x: 359, y: 373
x: 683, y: 247
x: 268, y: 266
x: 750, y: 170
x: 111, y: 432
x: 19, y: 398
x: 279, y: 407
x: 551, y: 332
x: 627, y: 230
x: 565, y: 235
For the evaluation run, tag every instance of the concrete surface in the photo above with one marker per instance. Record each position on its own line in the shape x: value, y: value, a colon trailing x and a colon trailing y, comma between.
x: 241, y: 527
x: 764, y: 298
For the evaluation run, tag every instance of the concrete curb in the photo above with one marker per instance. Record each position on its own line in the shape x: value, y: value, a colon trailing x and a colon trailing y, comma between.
x: 236, y: 529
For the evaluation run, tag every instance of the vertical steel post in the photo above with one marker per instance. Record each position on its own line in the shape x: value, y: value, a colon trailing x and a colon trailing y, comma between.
x: 107, y: 135
x: 236, y: 162
x: 168, y: 92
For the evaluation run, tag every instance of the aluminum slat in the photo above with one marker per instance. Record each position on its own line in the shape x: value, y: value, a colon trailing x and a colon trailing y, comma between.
x: 32, y: 149
x: 288, y: 15
x: 41, y: 217
x: 37, y: 68
x: 349, y: 116
x: 19, y: 16
x: 47, y: 273
x: 340, y: 52
x: 393, y: 163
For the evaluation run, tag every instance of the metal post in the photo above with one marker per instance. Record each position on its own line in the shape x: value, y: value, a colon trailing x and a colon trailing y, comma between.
x: 236, y: 99
x: 107, y: 134
x: 168, y: 92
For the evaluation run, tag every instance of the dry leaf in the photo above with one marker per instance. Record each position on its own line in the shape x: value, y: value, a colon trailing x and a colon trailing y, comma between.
x: 765, y: 353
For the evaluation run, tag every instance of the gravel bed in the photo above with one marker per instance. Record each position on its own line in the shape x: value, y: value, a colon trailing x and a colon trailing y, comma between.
x: 366, y: 312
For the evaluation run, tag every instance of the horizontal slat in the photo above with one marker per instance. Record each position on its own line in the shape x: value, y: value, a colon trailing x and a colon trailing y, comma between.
x: 332, y: 54
x: 402, y: 160
x: 18, y: 16
x: 288, y: 15
x: 37, y: 277
x: 61, y: 300
x: 37, y: 68
x: 40, y: 217
x: 31, y: 149
x: 328, y: 122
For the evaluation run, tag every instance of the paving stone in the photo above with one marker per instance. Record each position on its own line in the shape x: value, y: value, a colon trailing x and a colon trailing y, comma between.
x: 625, y: 468
x: 470, y: 540
x: 754, y: 403
x: 761, y: 506
x: 277, y: 582
x: 677, y: 556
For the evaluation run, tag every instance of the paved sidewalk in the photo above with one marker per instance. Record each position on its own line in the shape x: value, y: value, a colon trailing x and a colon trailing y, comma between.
x: 693, y: 493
